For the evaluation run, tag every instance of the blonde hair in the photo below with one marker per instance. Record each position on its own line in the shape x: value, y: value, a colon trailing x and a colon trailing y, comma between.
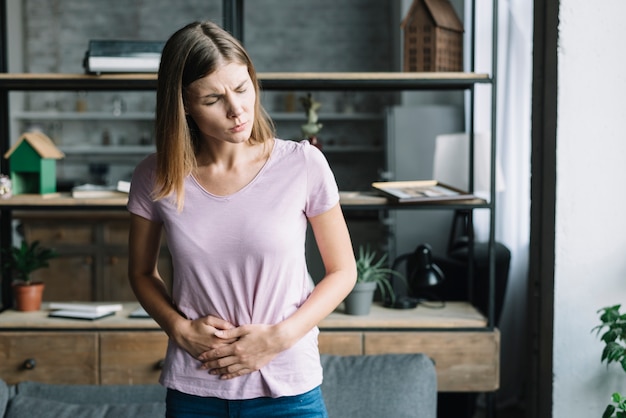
x: 191, y: 53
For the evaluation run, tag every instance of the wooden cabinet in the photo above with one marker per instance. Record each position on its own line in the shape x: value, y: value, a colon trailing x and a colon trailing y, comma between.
x: 82, y: 357
x: 120, y: 350
x: 50, y: 357
x: 128, y: 357
x: 93, y: 249
x: 115, y: 350
x: 465, y: 352
x: 345, y: 343
x: 464, y: 360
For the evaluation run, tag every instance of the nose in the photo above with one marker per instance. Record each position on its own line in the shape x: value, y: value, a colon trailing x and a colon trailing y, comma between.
x: 235, y: 108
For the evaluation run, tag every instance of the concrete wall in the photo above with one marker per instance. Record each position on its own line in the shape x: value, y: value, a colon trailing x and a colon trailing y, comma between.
x: 295, y: 35
x: 590, y: 268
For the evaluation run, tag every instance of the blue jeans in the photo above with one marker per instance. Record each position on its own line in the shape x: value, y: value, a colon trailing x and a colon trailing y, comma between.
x: 307, y: 405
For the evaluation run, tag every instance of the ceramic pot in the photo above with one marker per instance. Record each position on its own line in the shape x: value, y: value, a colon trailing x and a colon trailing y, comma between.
x: 28, y: 297
x: 359, y: 300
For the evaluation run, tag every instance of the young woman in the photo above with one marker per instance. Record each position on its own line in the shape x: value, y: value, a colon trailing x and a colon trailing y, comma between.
x: 234, y: 203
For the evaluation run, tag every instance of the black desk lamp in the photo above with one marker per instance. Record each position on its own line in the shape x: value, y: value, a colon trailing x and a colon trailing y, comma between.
x: 422, y: 274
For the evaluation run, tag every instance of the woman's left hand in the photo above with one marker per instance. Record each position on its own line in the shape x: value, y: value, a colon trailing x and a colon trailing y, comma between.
x: 256, y: 346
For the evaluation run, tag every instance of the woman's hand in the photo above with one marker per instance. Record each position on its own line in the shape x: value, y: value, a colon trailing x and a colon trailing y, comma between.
x: 199, y: 335
x: 255, y: 346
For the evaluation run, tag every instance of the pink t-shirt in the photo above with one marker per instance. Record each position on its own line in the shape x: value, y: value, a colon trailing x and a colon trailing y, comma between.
x: 242, y: 258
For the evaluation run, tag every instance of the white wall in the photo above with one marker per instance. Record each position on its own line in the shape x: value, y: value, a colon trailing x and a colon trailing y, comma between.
x: 590, y: 265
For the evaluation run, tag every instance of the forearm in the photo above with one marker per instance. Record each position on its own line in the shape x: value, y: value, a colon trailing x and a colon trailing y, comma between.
x: 152, y: 294
x: 333, y: 240
x: 324, y: 299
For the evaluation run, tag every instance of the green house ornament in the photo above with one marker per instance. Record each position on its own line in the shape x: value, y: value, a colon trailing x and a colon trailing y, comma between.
x: 32, y: 164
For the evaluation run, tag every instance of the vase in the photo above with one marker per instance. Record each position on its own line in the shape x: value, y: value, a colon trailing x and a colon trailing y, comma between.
x: 359, y: 300
x: 28, y: 296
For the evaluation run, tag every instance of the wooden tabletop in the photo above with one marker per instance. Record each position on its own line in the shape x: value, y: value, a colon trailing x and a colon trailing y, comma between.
x: 453, y: 315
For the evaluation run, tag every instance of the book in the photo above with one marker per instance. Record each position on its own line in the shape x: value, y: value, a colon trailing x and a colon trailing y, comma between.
x: 86, y: 307
x: 420, y: 191
x: 123, y: 56
x: 77, y: 314
x: 140, y: 312
x: 361, y: 198
x: 96, y: 190
x: 123, y: 186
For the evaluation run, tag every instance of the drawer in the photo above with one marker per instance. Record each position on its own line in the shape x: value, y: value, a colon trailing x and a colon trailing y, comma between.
x: 131, y: 357
x: 116, y: 232
x: 49, y: 357
x: 341, y: 343
x: 465, y: 361
x: 51, y: 234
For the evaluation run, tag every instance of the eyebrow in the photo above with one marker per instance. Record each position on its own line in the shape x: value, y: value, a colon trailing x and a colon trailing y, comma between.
x: 216, y: 95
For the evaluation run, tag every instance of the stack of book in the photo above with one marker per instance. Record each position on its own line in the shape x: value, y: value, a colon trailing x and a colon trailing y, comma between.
x: 122, y: 56
x: 83, y: 310
x: 89, y: 190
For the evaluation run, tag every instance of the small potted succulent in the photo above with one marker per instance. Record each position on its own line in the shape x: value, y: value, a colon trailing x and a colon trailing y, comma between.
x: 372, y: 273
x: 23, y: 260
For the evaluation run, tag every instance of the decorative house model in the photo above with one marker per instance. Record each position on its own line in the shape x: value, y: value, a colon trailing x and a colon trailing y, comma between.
x: 32, y: 162
x: 433, y: 37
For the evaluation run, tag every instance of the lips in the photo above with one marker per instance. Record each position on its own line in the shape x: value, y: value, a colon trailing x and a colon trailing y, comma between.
x: 239, y: 128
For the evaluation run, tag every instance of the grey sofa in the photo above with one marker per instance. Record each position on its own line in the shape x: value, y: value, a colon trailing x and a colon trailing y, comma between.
x: 377, y: 386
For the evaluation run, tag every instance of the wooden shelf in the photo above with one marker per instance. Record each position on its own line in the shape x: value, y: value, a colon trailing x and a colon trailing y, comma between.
x: 454, y: 315
x: 57, y: 115
x: 60, y: 200
x: 348, y: 200
x: 269, y: 81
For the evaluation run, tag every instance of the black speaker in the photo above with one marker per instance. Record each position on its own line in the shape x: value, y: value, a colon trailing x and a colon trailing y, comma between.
x: 457, y: 286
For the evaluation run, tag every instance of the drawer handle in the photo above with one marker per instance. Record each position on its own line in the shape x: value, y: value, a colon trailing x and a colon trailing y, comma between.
x: 159, y: 365
x: 29, y: 364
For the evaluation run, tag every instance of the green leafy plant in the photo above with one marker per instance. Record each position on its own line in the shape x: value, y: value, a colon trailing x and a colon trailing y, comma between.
x: 27, y: 258
x: 370, y: 269
x: 613, y: 323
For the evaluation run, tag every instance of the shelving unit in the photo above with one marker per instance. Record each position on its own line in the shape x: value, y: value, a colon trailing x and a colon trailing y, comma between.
x: 370, y: 81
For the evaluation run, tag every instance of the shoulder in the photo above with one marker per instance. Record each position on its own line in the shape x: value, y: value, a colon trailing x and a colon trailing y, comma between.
x: 147, y: 165
x: 302, y: 148
x: 145, y: 170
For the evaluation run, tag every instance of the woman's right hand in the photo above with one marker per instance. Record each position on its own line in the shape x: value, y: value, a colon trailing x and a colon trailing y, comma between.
x: 198, y: 336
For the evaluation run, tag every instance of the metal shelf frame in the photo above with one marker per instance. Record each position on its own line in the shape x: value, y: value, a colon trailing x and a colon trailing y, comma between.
x: 233, y: 21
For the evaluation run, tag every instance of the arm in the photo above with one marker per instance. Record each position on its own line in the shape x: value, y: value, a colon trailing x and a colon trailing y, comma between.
x: 333, y: 240
x: 194, y: 336
x: 257, y: 345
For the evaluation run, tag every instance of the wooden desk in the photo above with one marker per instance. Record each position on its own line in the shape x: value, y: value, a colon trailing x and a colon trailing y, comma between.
x: 118, y: 349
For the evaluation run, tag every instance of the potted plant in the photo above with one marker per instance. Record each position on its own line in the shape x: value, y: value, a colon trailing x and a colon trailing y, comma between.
x: 614, y: 350
x: 372, y: 273
x: 23, y: 260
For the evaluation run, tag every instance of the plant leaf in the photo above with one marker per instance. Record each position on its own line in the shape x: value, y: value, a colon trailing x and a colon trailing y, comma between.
x: 608, y: 412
